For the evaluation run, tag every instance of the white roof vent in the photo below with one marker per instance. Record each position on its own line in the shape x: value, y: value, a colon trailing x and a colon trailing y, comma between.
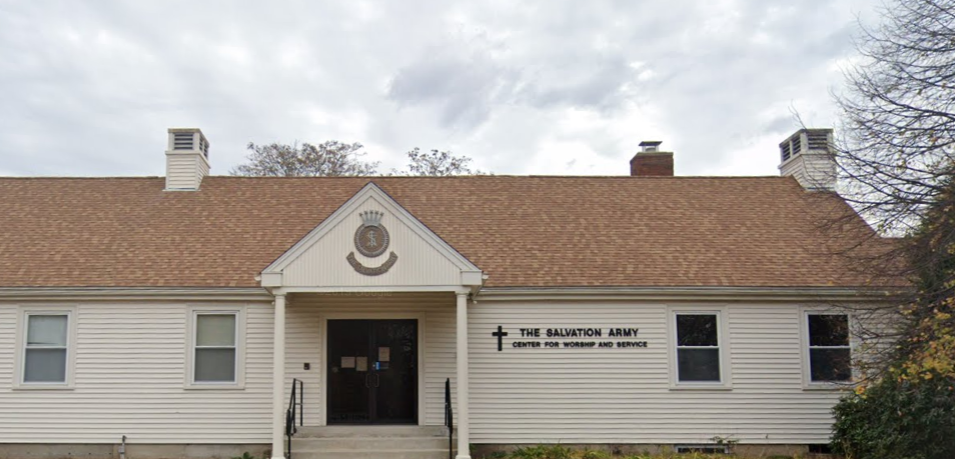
x: 187, y: 159
x: 185, y: 139
x: 807, y: 156
x: 650, y: 146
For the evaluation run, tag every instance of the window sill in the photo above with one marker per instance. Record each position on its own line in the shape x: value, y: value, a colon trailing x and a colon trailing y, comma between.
x: 51, y: 387
x: 701, y: 387
x: 828, y: 387
x: 214, y: 387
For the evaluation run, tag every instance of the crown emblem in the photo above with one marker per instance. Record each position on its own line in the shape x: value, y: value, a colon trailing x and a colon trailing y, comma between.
x: 371, y: 217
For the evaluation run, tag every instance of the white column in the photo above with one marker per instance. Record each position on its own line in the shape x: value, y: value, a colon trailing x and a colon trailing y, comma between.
x: 462, y: 360
x: 278, y: 380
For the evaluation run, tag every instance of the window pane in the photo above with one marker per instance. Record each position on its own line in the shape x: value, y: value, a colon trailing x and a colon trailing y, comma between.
x: 47, y: 330
x: 215, y: 365
x: 215, y: 330
x: 698, y: 364
x: 830, y: 365
x: 828, y: 330
x: 696, y: 330
x: 45, y: 366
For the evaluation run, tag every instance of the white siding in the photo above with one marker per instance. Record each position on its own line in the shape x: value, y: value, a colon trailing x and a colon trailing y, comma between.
x: 185, y: 171
x: 624, y: 395
x: 129, y: 380
x: 304, y: 342
x: 811, y: 170
x: 130, y: 375
x: 324, y: 264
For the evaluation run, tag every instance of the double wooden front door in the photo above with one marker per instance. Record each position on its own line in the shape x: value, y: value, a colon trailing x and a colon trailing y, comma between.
x: 372, y: 371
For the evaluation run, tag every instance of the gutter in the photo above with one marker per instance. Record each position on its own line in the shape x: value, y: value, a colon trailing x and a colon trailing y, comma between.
x: 135, y: 293
x: 818, y: 294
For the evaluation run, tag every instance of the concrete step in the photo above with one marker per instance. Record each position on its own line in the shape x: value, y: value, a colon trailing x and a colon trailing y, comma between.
x: 364, y: 443
x: 371, y: 432
x: 372, y: 454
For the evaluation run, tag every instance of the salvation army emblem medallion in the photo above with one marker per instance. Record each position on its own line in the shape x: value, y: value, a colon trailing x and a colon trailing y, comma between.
x: 372, y: 240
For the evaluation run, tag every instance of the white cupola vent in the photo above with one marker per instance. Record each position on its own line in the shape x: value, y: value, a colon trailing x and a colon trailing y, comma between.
x: 807, y: 156
x: 187, y: 159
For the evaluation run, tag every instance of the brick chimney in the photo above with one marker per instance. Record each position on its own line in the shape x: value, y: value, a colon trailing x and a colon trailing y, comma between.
x: 651, y: 162
x: 187, y: 159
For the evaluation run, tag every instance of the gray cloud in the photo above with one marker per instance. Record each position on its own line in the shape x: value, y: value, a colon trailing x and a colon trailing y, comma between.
x: 532, y: 87
x: 464, y: 87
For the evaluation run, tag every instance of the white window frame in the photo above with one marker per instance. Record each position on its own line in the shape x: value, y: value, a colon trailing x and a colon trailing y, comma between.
x: 723, y: 345
x: 23, y: 317
x: 193, y: 313
x: 807, y: 382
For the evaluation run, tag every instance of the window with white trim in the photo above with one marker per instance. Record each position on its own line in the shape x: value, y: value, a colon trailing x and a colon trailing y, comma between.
x: 215, y: 347
x: 830, y: 354
x: 698, y: 347
x: 46, y: 348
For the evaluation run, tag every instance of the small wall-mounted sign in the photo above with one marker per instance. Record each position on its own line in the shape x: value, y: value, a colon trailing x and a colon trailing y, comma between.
x: 572, y: 338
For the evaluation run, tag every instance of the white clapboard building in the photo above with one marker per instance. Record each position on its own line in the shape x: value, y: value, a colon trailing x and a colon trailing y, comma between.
x: 195, y: 315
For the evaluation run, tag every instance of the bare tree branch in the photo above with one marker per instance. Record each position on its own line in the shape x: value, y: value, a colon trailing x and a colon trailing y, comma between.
x: 327, y: 159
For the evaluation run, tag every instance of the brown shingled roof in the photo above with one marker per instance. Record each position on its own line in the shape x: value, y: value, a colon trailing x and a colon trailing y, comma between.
x: 522, y: 231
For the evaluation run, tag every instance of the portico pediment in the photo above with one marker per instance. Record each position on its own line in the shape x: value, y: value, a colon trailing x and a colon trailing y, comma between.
x: 371, y: 243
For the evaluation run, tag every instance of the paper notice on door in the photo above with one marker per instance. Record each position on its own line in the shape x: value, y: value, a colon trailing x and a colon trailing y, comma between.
x: 384, y: 354
x: 361, y: 364
x: 348, y: 362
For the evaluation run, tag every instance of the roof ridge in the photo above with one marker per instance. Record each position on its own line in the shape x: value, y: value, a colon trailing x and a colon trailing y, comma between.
x: 66, y: 177
x: 622, y: 177
x: 418, y: 177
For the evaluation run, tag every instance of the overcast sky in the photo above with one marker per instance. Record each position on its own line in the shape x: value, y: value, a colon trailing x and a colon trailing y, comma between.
x: 526, y: 87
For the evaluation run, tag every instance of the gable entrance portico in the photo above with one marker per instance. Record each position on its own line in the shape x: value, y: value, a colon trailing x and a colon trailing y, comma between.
x: 370, y: 245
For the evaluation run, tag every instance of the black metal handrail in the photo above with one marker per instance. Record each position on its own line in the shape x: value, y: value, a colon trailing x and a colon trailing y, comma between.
x: 449, y: 417
x: 296, y: 411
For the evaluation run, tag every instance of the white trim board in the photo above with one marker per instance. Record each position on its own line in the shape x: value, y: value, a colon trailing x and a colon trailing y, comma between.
x: 721, y: 311
x: 676, y: 293
x: 23, y: 313
x: 193, y: 310
x: 135, y: 293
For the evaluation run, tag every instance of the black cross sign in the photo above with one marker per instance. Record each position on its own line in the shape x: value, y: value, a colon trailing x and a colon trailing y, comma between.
x: 499, y: 334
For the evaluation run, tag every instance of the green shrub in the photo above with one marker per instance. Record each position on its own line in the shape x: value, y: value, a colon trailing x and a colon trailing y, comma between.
x: 897, y: 418
x: 595, y: 454
x: 542, y: 452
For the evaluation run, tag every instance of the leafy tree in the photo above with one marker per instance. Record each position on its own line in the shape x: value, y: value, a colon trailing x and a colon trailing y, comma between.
x: 436, y: 163
x: 897, y: 419
x: 331, y: 158
x: 909, y: 411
